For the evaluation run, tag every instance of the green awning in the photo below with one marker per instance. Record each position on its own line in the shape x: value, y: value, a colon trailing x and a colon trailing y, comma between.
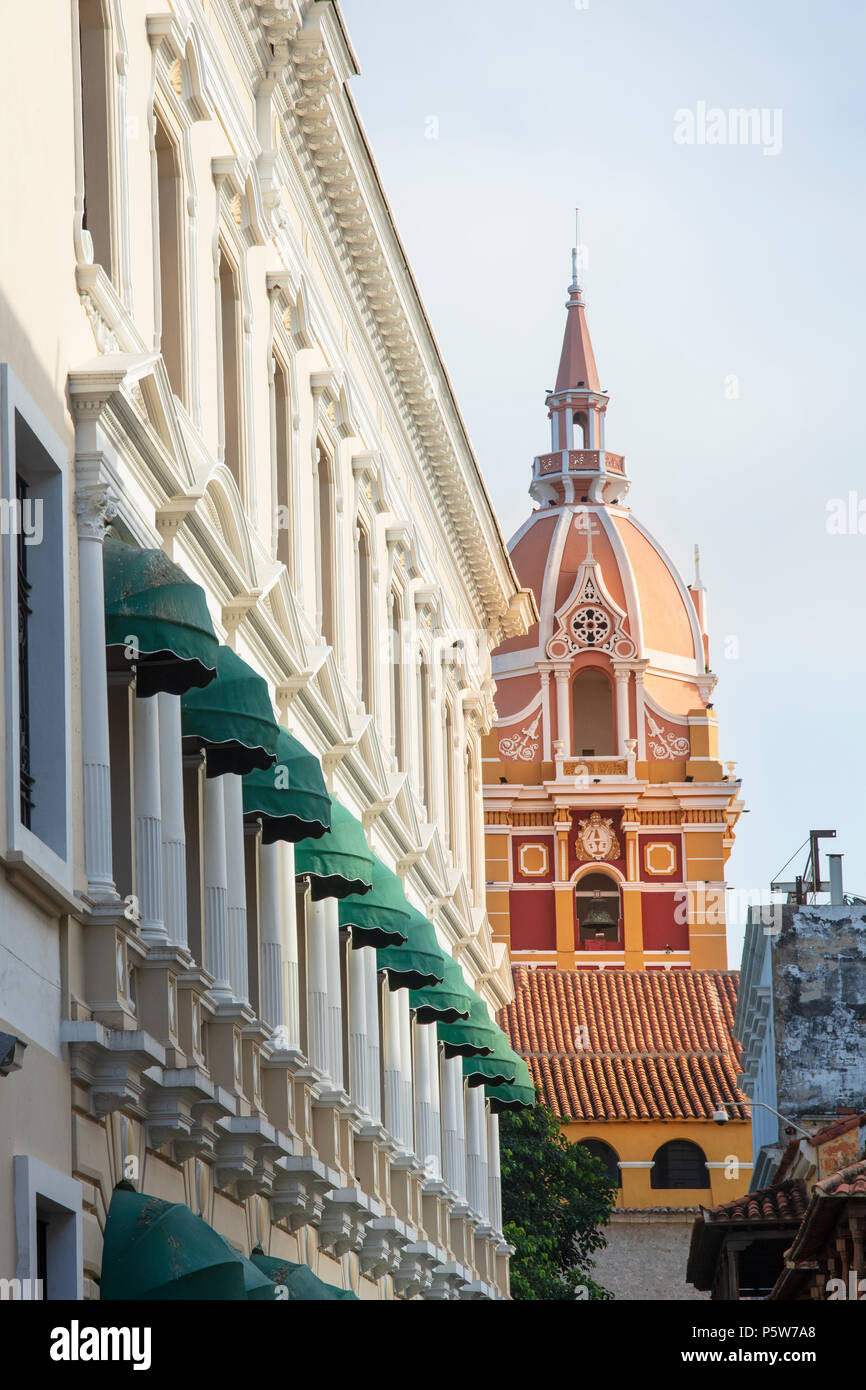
x: 520, y: 1095
x: 155, y: 610
x: 380, y: 917
x: 290, y: 798
x: 499, y: 1069
x: 339, y: 862
x: 300, y: 1280
x: 447, y: 1002
x: 477, y: 1037
x: 232, y: 719
x: 420, y: 962
x: 157, y: 1251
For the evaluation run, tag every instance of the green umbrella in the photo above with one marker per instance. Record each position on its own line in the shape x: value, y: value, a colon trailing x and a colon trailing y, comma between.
x: 156, y: 614
x: 338, y: 863
x: 447, y: 1002
x: 290, y: 798
x: 380, y: 917
x: 232, y: 718
x: 300, y: 1280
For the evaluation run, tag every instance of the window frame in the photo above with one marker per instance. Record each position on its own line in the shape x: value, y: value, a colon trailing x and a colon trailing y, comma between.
x: 55, y: 860
x: 42, y: 1192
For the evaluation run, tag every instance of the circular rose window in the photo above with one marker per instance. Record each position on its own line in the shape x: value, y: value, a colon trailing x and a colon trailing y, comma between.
x: 591, y: 626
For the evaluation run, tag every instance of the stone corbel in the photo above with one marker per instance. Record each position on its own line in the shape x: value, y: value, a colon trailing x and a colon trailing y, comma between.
x: 446, y: 1282
x: 110, y: 1064
x: 411, y: 857
x: 246, y: 1152
x: 300, y: 1185
x: 477, y: 1291
x: 345, y: 1217
x: 358, y: 725
x: 415, y: 1272
x: 172, y: 1093
x: 385, y: 1238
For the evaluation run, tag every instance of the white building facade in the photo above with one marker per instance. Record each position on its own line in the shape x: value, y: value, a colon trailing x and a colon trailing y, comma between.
x: 212, y: 347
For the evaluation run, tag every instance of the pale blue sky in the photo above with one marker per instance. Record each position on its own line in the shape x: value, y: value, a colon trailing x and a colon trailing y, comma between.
x: 704, y: 261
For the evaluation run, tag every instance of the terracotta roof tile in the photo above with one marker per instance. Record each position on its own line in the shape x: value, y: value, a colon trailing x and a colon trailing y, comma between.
x: 785, y: 1201
x: 631, y: 1044
x: 838, y: 1128
x: 848, y: 1182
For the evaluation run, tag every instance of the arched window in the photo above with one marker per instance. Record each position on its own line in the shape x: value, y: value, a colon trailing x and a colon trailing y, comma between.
x: 94, y: 36
x: 581, y: 430
x: 592, y: 714
x: 283, y: 468
x: 327, y: 549
x: 679, y: 1163
x: 169, y: 204
x: 607, y: 1156
x: 366, y: 625
x: 598, y: 908
x: 450, y: 817
x: 230, y: 318
x: 425, y: 773
x: 398, y: 711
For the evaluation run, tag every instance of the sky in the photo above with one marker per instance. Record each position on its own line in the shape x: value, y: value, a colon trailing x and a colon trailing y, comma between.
x: 725, y: 297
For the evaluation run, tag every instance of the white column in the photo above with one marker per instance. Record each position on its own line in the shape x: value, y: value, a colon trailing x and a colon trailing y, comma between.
x: 317, y: 986
x: 476, y: 1195
x: 639, y: 714
x: 423, y: 1106
x: 406, y: 1088
x: 273, y: 1002
x: 622, y: 674
x: 562, y: 720
x: 289, y: 930
x: 374, y: 1084
x: 428, y: 1138
x: 453, y: 1127
x: 237, y: 886
x: 216, y: 887
x: 494, y: 1172
x: 95, y: 507
x: 173, y: 832
x: 148, y: 818
x: 391, y: 1045
x: 547, y: 735
x: 335, y: 992
x: 358, y: 1082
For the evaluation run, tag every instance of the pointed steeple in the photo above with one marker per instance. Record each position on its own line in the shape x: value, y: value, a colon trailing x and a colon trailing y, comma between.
x: 577, y: 369
x: 579, y: 467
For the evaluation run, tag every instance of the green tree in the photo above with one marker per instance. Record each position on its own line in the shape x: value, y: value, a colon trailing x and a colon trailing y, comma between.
x: 555, y: 1197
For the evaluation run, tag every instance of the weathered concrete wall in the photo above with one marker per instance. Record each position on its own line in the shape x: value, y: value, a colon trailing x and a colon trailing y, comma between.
x: 819, y: 1009
x: 646, y: 1256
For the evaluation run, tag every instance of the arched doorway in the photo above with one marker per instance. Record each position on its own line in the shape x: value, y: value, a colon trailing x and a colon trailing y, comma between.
x: 598, y: 909
x: 592, y: 725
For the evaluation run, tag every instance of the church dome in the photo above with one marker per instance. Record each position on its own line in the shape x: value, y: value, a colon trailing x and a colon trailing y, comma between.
x: 608, y: 595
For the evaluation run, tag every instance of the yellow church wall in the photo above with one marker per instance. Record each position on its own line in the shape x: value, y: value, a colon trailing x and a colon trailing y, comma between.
x: 638, y: 1140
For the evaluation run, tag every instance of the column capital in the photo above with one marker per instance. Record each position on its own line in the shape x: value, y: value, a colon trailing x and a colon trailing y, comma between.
x: 96, y: 506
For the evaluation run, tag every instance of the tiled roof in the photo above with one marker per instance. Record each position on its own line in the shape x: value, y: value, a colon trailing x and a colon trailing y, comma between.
x: 848, y: 1182
x: 837, y: 1129
x: 785, y: 1202
x: 628, y: 1044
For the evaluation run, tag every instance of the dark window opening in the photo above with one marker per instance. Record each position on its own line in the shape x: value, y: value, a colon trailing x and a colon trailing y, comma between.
x: 679, y: 1163
x: 606, y: 1156
x: 24, y: 614
x: 598, y: 908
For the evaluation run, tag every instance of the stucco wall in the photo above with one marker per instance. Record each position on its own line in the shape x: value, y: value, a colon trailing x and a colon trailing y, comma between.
x: 646, y: 1255
x: 819, y: 1009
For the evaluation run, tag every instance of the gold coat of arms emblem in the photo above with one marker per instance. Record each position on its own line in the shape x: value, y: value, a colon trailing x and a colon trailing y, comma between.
x: 596, y: 838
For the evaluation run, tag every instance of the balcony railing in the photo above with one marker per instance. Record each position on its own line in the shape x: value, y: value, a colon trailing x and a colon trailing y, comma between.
x: 579, y: 461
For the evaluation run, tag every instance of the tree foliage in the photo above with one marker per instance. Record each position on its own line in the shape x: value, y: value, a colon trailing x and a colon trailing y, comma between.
x: 555, y: 1197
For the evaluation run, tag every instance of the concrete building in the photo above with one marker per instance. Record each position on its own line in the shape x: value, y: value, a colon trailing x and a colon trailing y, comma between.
x: 609, y: 819
x: 250, y: 573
